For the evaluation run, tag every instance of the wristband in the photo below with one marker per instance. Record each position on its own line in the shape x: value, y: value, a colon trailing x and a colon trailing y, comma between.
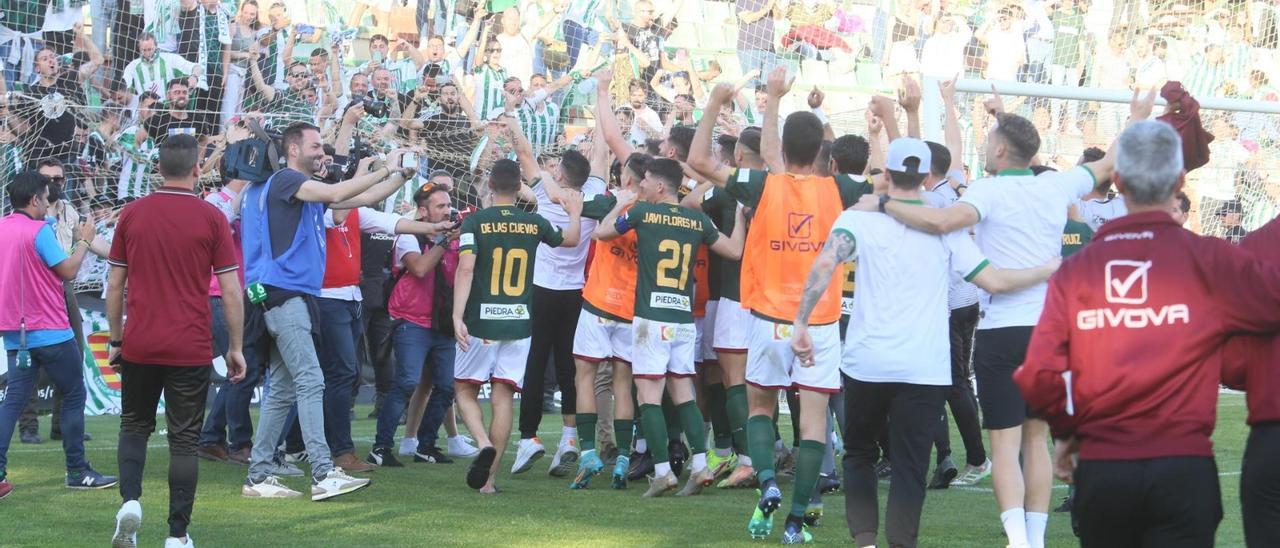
x: 884, y: 199
x: 116, y: 344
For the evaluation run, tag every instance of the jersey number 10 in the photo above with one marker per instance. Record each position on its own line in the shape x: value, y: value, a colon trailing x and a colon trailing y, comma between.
x: 510, y: 267
x: 678, y: 258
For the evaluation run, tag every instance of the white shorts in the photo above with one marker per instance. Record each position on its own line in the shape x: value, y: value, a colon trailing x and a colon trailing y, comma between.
x: 662, y: 349
x: 707, y: 333
x: 497, y: 361
x: 733, y: 327
x: 771, y: 365
x: 598, y: 339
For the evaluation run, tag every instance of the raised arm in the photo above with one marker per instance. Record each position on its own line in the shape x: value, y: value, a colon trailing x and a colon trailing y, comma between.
x: 95, y: 57
x: 875, y: 158
x: 951, y: 123
x: 1139, y: 109
x: 415, y: 54
x: 815, y: 99
x: 572, y: 203
x: 599, y: 154
x: 909, y: 97
x: 884, y: 109
x: 384, y: 186
x: 701, y: 159
x: 473, y: 30
x: 770, y: 142
x: 607, y: 119
x: 259, y: 83
x: 607, y: 229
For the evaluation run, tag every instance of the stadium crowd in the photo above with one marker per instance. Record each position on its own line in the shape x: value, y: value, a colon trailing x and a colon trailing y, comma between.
x: 506, y: 198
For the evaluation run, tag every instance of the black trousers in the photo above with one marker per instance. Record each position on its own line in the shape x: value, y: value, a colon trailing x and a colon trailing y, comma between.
x: 1166, y: 502
x: 963, y: 402
x: 555, y: 318
x: 912, y: 411
x: 185, y: 390
x: 1260, y: 486
x: 378, y: 356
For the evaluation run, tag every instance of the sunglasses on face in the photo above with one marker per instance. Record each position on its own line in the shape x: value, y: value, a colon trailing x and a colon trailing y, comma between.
x: 298, y: 74
x: 58, y: 178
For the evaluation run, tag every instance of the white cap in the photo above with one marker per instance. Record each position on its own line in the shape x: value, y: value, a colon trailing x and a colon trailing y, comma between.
x: 905, y: 147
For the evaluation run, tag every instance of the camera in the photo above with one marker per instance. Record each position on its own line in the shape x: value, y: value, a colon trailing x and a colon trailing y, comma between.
x: 375, y: 107
x: 409, y: 160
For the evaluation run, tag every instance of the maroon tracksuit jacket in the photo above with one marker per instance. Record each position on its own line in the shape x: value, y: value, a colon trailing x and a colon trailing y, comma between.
x: 1126, y: 354
x: 1252, y: 362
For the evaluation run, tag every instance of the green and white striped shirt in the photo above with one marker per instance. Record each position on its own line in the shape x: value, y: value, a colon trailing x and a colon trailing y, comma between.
x: 583, y: 12
x: 142, y: 76
x: 489, y: 88
x: 139, y: 158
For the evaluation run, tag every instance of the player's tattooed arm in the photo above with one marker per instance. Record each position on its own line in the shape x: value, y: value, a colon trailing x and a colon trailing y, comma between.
x: 840, y: 248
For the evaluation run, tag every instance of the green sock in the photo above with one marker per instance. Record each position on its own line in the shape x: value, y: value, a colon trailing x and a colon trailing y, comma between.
x: 655, y: 428
x: 691, y: 416
x: 623, y: 429
x: 719, y: 415
x: 669, y: 413
x: 761, y: 446
x: 587, y: 431
x: 808, y: 464
x: 736, y: 407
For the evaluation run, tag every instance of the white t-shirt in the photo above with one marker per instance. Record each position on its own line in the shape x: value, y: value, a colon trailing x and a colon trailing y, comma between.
x: 562, y: 267
x: 943, y: 54
x: 899, y: 330
x: 652, y: 121
x: 371, y: 221
x: 517, y: 56
x: 1098, y: 212
x: 962, y: 293
x: 1020, y: 226
x: 1006, y: 51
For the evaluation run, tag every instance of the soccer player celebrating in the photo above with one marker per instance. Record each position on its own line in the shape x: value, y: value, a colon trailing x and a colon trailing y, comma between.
x: 493, y: 328
x: 667, y: 239
x: 795, y: 208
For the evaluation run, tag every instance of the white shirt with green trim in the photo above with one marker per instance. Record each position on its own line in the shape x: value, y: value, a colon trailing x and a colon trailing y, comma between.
x: 1020, y: 226
x: 142, y: 76
x: 899, y: 327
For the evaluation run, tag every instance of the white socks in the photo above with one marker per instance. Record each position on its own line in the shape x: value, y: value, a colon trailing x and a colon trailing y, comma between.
x: 568, y: 433
x: 744, y: 460
x: 663, y: 468
x: 641, y: 445
x: 699, y: 462
x: 1015, y: 527
x: 1037, y: 522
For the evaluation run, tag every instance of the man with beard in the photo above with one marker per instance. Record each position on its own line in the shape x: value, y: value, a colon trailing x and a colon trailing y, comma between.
x: 155, y: 68
x: 282, y: 223
x: 450, y: 132
x: 55, y: 134
x: 289, y: 106
x: 647, y: 123
x: 178, y: 119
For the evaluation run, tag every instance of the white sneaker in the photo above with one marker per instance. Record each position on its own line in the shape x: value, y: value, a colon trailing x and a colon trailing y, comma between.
x: 128, y: 520
x: 335, y: 484
x: 175, y: 542
x: 566, y: 459
x: 459, y: 448
x: 407, y: 446
x: 300, y: 456
x: 973, y: 474
x: 527, y: 452
x: 269, y: 488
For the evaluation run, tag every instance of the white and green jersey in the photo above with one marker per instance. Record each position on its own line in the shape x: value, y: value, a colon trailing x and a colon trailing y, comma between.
x: 161, y: 19
x: 97, y: 153
x: 540, y: 120
x: 583, y: 12
x: 404, y: 72
x: 142, y: 76
x: 139, y: 159
x: 489, y: 88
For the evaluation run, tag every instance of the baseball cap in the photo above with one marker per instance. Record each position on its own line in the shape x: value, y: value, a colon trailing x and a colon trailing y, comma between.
x: 905, y: 147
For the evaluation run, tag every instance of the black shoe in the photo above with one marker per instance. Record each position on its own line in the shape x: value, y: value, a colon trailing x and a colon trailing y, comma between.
x: 478, y: 472
x: 943, y: 474
x: 31, y: 437
x: 883, y: 469
x: 1068, y: 501
x: 678, y: 454
x: 431, y: 454
x: 641, y: 466
x: 383, y: 456
x: 828, y: 484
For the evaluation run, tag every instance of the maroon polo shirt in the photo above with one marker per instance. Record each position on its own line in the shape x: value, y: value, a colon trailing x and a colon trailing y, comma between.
x: 169, y: 241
